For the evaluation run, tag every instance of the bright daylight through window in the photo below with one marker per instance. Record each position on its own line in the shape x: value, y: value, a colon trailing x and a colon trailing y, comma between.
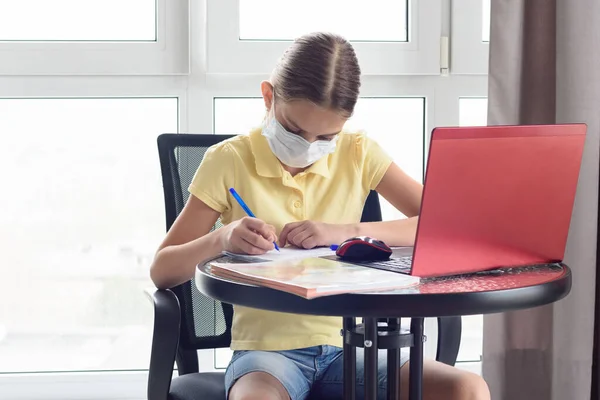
x: 485, y: 29
x: 86, y: 86
x: 77, y: 20
x: 81, y: 218
x: 346, y: 17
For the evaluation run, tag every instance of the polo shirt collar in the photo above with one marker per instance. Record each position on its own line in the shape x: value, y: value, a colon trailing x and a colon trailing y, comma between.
x: 267, y: 165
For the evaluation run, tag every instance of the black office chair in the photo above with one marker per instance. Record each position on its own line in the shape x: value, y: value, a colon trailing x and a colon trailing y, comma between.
x: 186, y: 321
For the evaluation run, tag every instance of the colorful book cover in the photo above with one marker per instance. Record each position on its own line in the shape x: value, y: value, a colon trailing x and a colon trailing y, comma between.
x: 313, y: 277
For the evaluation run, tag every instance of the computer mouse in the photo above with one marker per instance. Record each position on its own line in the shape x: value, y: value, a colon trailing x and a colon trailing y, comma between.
x: 363, y: 248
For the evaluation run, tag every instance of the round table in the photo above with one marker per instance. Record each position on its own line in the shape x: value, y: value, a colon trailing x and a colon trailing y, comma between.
x: 482, y: 293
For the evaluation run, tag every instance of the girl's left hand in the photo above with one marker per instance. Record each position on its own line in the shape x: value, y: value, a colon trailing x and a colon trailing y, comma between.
x: 310, y: 234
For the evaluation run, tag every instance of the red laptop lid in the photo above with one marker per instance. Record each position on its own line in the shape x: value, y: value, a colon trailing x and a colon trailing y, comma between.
x: 497, y: 196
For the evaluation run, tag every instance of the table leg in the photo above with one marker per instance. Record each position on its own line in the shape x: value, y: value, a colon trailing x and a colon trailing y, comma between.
x: 415, y: 385
x: 393, y: 364
x: 349, y: 362
x: 370, y: 358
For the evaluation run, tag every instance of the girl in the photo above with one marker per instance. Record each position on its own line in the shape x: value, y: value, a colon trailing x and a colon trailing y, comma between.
x: 307, y: 181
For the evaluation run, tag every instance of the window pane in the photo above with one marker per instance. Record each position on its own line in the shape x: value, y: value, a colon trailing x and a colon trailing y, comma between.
x: 485, y: 30
x: 376, y: 20
x: 77, y: 20
x: 81, y: 216
x: 222, y: 358
x: 398, y: 125
x: 471, y: 340
x: 472, y: 112
x: 249, y: 113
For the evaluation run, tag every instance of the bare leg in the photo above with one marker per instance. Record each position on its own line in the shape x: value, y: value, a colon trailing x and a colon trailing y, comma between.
x: 441, y: 381
x: 258, y: 386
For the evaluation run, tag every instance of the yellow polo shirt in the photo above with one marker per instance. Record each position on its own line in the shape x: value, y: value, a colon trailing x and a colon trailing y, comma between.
x: 332, y: 190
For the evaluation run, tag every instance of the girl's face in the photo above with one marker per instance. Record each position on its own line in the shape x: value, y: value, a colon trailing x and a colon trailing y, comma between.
x: 304, y: 118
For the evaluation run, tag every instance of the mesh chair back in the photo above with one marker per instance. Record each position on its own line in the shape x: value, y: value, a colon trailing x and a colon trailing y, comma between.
x: 205, y: 323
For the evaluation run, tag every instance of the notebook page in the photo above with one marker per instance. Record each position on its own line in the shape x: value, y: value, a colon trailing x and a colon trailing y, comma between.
x: 286, y: 253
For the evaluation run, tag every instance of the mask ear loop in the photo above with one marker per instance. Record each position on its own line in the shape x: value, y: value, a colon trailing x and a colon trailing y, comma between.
x: 268, y: 110
x: 273, y: 103
x: 273, y: 110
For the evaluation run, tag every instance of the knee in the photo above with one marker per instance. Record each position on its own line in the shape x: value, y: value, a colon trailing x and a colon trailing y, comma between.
x: 470, y: 386
x: 258, y: 386
x: 258, y: 394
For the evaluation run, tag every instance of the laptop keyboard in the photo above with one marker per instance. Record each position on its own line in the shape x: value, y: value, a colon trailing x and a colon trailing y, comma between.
x: 400, y: 265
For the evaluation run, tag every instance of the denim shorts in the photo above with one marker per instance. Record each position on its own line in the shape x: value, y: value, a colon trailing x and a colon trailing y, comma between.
x: 314, y: 372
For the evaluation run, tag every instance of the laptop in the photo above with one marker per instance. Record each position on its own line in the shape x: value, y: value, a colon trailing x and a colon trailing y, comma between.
x: 494, y: 197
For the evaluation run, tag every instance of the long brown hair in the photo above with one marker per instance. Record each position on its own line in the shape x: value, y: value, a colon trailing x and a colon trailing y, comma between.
x: 321, y: 68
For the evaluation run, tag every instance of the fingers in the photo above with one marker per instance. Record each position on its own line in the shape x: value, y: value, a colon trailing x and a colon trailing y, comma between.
x: 253, y: 236
x: 250, y: 248
x: 257, y: 240
x: 248, y: 242
x: 256, y: 225
x: 310, y: 242
x: 284, y: 235
x: 299, y: 235
x: 303, y: 234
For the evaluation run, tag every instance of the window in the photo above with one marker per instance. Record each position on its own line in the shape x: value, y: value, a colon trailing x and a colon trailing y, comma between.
x: 390, y: 36
x: 485, y: 19
x: 76, y: 20
x: 75, y: 37
x: 470, y: 36
x: 81, y: 216
x: 248, y: 111
x: 349, y: 18
x: 398, y: 125
x: 472, y: 111
x: 74, y: 79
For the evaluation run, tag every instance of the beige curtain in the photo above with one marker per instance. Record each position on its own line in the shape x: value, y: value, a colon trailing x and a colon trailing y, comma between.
x: 544, y: 69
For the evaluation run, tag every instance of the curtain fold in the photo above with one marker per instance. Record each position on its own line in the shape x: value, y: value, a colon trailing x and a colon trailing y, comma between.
x: 545, y: 68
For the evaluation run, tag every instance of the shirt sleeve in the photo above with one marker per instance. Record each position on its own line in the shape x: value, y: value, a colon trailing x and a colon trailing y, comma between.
x: 372, y: 161
x: 214, y: 177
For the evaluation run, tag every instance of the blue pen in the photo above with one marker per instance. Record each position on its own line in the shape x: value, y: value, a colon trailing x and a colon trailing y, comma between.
x: 237, y: 197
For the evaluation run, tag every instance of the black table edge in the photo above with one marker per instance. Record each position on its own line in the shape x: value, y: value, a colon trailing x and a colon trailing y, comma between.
x: 386, y: 304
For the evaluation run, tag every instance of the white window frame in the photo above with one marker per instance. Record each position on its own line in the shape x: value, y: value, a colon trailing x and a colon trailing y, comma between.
x: 129, y: 385
x: 420, y: 55
x: 469, y: 53
x: 168, y: 55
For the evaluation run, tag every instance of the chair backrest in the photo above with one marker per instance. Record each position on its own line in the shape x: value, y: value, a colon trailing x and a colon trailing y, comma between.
x: 205, y: 323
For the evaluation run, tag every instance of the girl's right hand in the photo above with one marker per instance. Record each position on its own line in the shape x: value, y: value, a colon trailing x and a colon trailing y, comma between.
x: 248, y: 236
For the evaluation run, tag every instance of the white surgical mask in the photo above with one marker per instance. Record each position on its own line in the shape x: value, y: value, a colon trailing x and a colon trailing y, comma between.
x: 291, y: 149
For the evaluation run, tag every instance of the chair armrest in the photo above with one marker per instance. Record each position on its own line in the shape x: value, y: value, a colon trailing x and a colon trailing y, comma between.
x: 165, y: 339
x: 449, y: 333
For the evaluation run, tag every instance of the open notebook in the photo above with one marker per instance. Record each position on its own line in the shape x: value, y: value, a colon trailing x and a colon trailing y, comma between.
x: 306, y: 274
